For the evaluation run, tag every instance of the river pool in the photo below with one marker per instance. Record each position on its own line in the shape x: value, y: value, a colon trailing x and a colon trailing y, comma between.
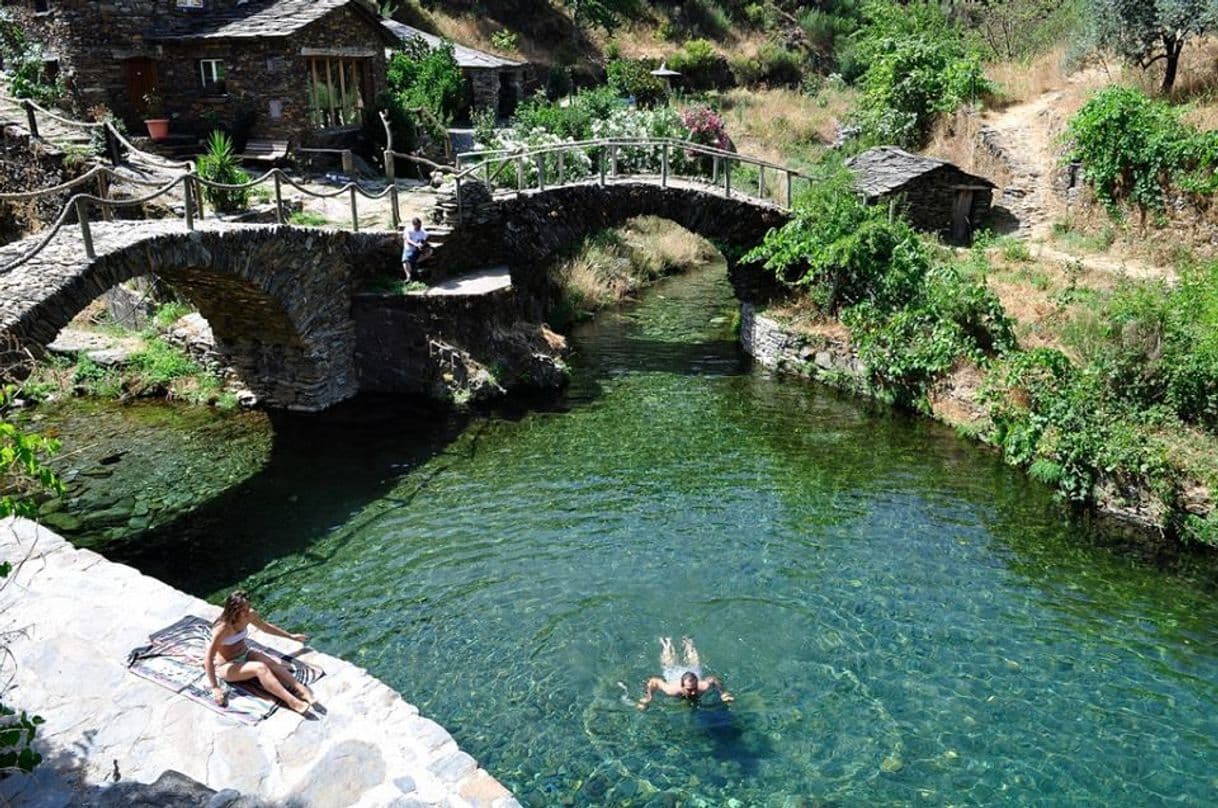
x: 902, y: 618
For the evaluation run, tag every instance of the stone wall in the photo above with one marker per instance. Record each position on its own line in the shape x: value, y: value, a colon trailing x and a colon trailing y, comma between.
x: 773, y: 345
x: 93, y: 40
x: 929, y: 200
x: 28, y: 165
x: 453, y: 347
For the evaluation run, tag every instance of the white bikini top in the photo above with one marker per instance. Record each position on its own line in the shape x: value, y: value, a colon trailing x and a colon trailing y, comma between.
x: 235, y: 637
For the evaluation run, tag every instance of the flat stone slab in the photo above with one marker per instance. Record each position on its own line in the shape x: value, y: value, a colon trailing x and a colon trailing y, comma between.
x: 482, y: 282
x: 74, y: 616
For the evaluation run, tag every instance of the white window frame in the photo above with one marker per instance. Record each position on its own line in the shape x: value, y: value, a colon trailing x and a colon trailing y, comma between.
x: 211, y: 73
x: 190, y: 3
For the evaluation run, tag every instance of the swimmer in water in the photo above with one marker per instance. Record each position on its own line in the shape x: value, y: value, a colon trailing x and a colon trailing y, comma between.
x: 688, y: 684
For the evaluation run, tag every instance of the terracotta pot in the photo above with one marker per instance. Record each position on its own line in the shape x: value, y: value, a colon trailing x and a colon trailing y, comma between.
x: 158, y: 128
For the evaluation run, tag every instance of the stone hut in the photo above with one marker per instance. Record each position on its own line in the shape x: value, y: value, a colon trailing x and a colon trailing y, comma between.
x: 493, y: 81
x: 939, y: 196
x: 300, y: 70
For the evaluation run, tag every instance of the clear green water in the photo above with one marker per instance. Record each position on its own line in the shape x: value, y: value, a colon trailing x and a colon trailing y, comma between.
x: 903, y: 619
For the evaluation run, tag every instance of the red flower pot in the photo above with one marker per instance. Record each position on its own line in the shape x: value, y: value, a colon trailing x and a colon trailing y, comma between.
x: 158, y: 128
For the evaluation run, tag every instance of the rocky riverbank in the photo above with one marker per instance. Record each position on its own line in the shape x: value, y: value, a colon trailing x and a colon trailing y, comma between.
x: 70, y: 617
x: 828, y: 357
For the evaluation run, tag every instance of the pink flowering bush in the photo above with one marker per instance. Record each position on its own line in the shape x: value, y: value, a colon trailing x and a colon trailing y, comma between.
x: 705, y: 127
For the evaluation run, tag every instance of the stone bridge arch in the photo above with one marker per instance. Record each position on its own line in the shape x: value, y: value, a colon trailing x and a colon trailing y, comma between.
x: 278, y: 298
x: 530, y: 229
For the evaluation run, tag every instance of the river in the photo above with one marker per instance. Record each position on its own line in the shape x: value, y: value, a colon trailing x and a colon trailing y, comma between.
x: 901, y: 617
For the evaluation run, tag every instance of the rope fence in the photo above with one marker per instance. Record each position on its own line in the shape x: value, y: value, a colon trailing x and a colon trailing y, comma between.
x: 654, y: 159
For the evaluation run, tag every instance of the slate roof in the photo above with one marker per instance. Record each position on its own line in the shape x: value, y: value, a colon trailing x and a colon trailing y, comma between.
x: 885, y: 169
x: 257, y: 18
x: 466, y: 56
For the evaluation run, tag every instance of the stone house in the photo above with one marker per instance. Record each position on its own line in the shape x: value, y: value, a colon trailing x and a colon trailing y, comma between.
x: 301, y: 70
x: 492, y: 82
x: 938, y: 196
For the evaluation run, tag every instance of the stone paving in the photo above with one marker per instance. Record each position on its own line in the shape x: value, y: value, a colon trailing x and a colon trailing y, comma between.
x: 481, y: 282
x: 71, y: 617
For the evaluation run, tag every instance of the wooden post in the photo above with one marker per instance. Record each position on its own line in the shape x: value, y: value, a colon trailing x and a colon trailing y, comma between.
x: 715, y: 170
x: 199, y: 196
x: 103, y: 192
x: 541, y: 172
x: 600, y: 159
x: 390, y: 165
x: 486, y: 173
x: 354, y: 212
x: 457, y: 182
x: 613, y: 157
x: 789, y: 200
x: 561, y: 173
x: 82, y: 215
x: 112, y: 146
x: 278, y: 198
x: 348, y: 163
x: 727, y: 177
x: 664, y: 167
x: 29, y: 112
x: 395, y: 212
x: 519, y: 174
x: 760, y: 182
x: 188, y: 192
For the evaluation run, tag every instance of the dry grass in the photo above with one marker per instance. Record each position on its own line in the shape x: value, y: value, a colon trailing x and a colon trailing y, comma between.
x: 1022, y: 80
x: 957, y: 138
x: 664, y: 247
x: 608, y: 271
x: 779, y: 124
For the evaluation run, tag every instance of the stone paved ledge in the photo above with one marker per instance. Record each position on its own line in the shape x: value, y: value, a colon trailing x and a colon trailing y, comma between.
x: 78, y: 615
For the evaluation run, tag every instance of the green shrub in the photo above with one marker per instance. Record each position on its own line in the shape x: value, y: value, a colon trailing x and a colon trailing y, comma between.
x: 910, y: 318
x: 700, y: 66
x: 424, y: 90
x: 773, y: 66
x: 505, y: 39
x: 160, y: 363
x: 219, y: 164
x: 632, y: 78
x: 1133, y: 147
x: 25, y: 64
x: 918, y: 66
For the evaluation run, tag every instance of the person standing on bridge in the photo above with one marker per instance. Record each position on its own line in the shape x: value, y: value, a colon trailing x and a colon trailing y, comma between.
x: 414, y: 243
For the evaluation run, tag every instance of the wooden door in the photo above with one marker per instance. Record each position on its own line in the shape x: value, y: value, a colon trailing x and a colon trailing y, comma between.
x: 141, y: 80
x: 962, y: 225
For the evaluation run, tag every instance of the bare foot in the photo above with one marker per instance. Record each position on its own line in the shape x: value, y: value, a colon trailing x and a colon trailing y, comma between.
x: 305, y: 693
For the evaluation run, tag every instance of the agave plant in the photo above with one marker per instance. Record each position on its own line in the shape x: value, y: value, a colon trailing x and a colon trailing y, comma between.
x: 219, y: 164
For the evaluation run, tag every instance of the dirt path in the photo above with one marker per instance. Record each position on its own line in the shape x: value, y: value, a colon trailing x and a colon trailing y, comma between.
x: 1025, y: 137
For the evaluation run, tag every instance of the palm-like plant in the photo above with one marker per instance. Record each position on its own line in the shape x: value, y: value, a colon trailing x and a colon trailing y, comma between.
x: 219, y: 164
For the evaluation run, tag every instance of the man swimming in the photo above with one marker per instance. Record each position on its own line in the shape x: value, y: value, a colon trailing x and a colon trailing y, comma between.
x: 687, y: 685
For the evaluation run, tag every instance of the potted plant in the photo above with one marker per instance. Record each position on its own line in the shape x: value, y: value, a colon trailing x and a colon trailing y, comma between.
x: 154, y: 116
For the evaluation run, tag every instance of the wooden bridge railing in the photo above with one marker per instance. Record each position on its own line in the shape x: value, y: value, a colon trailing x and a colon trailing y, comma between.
x: 655, y: 159
x: 601, y: 161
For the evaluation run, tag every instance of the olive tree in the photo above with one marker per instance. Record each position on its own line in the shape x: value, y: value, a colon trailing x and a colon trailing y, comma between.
x: 1145, y: 32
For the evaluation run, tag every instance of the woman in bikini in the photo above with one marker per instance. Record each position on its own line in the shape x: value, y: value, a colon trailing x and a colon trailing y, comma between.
x: 231, y: 658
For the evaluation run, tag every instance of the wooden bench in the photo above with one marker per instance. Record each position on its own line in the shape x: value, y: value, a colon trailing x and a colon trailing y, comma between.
x: 264, y: 151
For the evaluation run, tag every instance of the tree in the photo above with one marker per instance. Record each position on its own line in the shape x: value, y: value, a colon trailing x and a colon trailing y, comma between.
x: 1145, y: 32
x: 605, y: 13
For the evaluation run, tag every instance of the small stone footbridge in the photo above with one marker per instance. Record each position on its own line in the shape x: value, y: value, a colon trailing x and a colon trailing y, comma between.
x: 279, y: 297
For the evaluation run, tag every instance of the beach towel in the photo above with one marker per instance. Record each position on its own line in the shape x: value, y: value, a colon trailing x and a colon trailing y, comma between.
x: 173, y: 658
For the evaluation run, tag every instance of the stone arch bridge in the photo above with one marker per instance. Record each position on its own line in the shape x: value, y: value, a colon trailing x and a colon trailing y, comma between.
x: 279, y: 298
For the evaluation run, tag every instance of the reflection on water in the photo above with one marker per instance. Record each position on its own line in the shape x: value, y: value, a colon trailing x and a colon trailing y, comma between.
x: 902, y: 618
